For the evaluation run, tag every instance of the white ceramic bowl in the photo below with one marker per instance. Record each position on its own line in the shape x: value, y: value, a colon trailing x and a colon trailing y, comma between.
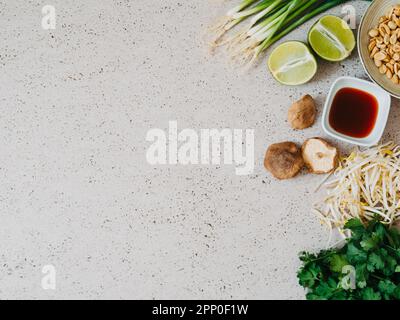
x: 383, y: 98
x: 370, y: 20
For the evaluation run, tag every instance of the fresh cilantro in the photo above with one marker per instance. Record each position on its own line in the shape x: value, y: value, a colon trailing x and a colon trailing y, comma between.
x: 337, y: 262
x: 367, y: 267
x: 387, y: 288
x: 370, y: 294
x: 375, y: 262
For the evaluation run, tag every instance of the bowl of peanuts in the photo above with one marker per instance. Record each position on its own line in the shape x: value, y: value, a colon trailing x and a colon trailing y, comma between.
x: 379, y: 44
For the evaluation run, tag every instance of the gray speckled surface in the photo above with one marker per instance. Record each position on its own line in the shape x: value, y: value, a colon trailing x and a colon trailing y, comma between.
x: 76, y: 191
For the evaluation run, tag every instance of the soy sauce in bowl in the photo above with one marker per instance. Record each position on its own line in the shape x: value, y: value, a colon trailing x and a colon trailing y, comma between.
x: 353, y: 112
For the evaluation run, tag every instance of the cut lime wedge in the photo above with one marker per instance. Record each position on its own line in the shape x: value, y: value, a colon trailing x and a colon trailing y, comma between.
x: 331, y: 38
x: 292, y: 63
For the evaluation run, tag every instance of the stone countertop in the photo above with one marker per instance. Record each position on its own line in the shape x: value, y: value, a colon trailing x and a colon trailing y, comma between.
x: 76, y: 191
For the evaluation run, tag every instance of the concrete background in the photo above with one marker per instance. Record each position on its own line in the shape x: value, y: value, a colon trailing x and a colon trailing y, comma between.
x: 76, y: 191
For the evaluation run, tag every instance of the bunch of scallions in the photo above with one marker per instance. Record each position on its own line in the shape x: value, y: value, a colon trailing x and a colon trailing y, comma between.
x: 265, y: 22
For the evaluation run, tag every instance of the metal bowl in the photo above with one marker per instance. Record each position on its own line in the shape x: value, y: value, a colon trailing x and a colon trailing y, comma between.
x: 370, y: 20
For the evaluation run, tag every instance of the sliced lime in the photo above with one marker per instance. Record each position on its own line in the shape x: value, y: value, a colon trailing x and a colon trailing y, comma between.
x: 331, y: 38
x: 292, y: 63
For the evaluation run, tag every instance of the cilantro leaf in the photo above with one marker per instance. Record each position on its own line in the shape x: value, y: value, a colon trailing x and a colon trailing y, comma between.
x: 386, y: 287
x: 354, y: 224
x: 393, y: 236
x: 337, y: 262
x: 371, y: 242
x: 361, y: 275
x: 370, y: 294
x: 355, y: 255
x: 375, y: 262
x: 308, y: 276
x: 356, y: 227
x: 396, y: 293
x: 326, y: 290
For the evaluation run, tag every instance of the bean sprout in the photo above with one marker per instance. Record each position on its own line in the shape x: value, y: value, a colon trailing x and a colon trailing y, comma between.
x: 366, y: 185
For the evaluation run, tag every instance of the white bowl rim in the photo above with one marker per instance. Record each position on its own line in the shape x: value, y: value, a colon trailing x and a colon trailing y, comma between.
x: 361, y: 59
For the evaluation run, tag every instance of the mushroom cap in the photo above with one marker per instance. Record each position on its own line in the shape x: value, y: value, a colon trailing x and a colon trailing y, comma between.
x: 302, y: 113
x: 283, y: 160
x: 320, y: 156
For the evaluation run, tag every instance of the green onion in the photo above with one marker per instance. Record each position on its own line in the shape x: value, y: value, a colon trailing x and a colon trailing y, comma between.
x: 237, y: 15
x: 269, y: 21
x: 294, y: 21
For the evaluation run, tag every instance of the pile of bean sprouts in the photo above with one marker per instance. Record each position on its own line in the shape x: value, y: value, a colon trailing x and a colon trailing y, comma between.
x: 365, y: 185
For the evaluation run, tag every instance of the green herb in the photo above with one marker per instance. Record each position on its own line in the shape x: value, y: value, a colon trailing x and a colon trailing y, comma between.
x: 367, y: 267
x: 269, y: 21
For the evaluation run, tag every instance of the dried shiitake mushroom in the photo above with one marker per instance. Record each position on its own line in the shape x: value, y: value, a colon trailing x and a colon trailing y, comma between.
x: 319, y: 156
x: 301, y: 114
x: 283, y: 160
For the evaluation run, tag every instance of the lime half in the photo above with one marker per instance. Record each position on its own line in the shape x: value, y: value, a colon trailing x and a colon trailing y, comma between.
x: 331, y: 38
x: 292, y: 63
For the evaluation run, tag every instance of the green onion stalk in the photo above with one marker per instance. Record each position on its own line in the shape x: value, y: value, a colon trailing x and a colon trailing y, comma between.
x: 258, y: 24
x: 247, y: 47
x: 254, y: 9
x: 269, y: 21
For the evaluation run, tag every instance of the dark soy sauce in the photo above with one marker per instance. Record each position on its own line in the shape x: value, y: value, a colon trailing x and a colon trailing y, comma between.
x: 353, y: 112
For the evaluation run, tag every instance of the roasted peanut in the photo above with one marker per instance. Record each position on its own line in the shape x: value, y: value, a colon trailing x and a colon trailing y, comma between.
x: 384, y: 44
x: 381, y: 55
x: 373, y: 33
x: 392, y: 25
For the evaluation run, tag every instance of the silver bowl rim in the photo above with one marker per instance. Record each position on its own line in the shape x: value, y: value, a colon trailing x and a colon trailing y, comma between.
x: 361, y: 57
